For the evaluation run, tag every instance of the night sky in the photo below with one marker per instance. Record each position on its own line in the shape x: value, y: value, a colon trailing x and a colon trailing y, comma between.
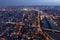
x: 28, y: 2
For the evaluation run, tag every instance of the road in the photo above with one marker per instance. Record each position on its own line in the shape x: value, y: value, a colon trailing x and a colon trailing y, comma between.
x: 47, y: 24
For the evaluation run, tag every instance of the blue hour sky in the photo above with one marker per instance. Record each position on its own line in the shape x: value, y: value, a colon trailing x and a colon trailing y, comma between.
x: 28, y: 2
